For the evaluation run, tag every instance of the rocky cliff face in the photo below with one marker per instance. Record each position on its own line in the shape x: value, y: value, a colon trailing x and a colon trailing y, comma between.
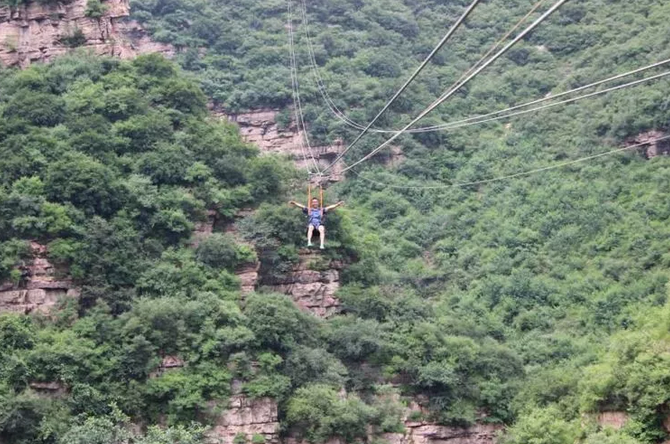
x: 419, y: 431
x: 312, y: 283
x: 39, y: 289
x: 312, y: 287
x: 424, y: 433
x: 260, y: 127
x: 38, y: 33
x: 614, y: 420
x: 249, y: 418
x: 653, y: 148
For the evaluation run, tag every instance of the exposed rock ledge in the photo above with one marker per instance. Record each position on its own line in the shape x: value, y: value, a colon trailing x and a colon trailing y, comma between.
x: 421, y: 433
x: 39, y: 289
x: 246, y: 417
x: 653, y: 148
x: 260, y: 127
x: 312, y: 284
x: 36, y: 32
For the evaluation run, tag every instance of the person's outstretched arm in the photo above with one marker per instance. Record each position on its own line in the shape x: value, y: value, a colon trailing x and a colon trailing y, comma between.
x: 296, y: 204
x: 332, y: 207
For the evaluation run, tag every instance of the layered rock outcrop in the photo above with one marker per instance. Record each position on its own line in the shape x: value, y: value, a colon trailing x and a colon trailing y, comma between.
x: 423, y: 433
x: 248, y: 418
x: 39, y: 288
x: 261, y: 128
x: 653, y: 147
x: 614, y: 420
x: 420, y: 431
x: 248, y: 276
x: 39, y: 32
x: 312, y: 283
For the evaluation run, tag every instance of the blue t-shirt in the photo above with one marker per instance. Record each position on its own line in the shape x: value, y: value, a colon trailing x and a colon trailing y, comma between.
x: 314, y: 216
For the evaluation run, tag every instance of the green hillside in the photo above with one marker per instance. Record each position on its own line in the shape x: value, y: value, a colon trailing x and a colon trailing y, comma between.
x: 534, y: 302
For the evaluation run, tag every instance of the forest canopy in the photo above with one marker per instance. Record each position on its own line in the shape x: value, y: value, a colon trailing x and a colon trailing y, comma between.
x: 535, y: 303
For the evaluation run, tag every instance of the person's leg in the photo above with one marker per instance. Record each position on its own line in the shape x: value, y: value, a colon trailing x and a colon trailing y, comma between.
x: 322, y: 235
x: 310, y: 231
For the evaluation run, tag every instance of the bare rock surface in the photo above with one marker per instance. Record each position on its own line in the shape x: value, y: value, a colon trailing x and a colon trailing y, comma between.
x: 168, y: 363
x: 37, y: 33
x: 653, y: 147
x: 40, y: 287
x: 204, y: 229
x: 312, y: 283
x: 260, y: 127
x: 52, y: 389
x: 614, y: 420
x: 246, y: 417
x: 248, y: 276
x: 421, y: 431
x: 424, y: 433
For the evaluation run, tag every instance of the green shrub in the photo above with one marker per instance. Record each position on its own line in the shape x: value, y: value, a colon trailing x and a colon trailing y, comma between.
x: 95, y: 9
x: 218, y: 251
x: 75, y: 39
x: 319, y: 413
x: 257, y: 439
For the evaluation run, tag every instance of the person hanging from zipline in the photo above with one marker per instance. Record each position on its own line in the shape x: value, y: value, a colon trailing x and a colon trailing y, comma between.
x: 316, y: 215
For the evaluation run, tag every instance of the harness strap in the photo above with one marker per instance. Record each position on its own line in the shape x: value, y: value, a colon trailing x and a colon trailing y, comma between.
x: 321, y: 198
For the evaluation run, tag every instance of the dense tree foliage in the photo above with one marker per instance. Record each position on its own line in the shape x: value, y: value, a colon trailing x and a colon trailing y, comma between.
x: 111, y: 165
x: 535, y: 302
x: 492, y: 298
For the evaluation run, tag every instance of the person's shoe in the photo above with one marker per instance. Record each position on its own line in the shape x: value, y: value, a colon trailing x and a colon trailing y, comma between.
x: 309, y: 244
x: 322, y: 247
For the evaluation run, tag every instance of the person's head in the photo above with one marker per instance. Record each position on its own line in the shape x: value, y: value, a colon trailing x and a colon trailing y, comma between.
x: 315, y: 203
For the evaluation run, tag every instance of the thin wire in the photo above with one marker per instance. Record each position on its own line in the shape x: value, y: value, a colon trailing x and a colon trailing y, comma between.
x: 296, y: 95
x: 512, y: 176
x: 562, y: 102
x: 450, y: 93
x: 457, y: 124
x: 330, y: 103
x: 544, y: 99
x: 300, y: 142
x: 497, y: 44
x: 439, y: 46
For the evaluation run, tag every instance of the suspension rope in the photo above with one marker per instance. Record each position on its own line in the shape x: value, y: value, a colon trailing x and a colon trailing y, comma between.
x: 479, y: 118
x: 451, y: 92
x: 297, y: 108
x: 457, y: 123
x: 330, y: 103
x: 430, y: 56
x: 514, y: 175
x: 469, y: 122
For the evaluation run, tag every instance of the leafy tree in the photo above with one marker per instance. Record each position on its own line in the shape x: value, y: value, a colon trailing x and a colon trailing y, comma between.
x: 95, y: 9
x: 277, y: 323
x: 320, y: 413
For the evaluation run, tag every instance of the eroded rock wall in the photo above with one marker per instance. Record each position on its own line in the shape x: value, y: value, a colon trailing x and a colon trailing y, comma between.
x: 261, y: 128
x: 40, y: 287
x: 653, y: 147
x: 424, y: 433
x: 246, y: 417
x: 312, y: 283
x: 38, y: 33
